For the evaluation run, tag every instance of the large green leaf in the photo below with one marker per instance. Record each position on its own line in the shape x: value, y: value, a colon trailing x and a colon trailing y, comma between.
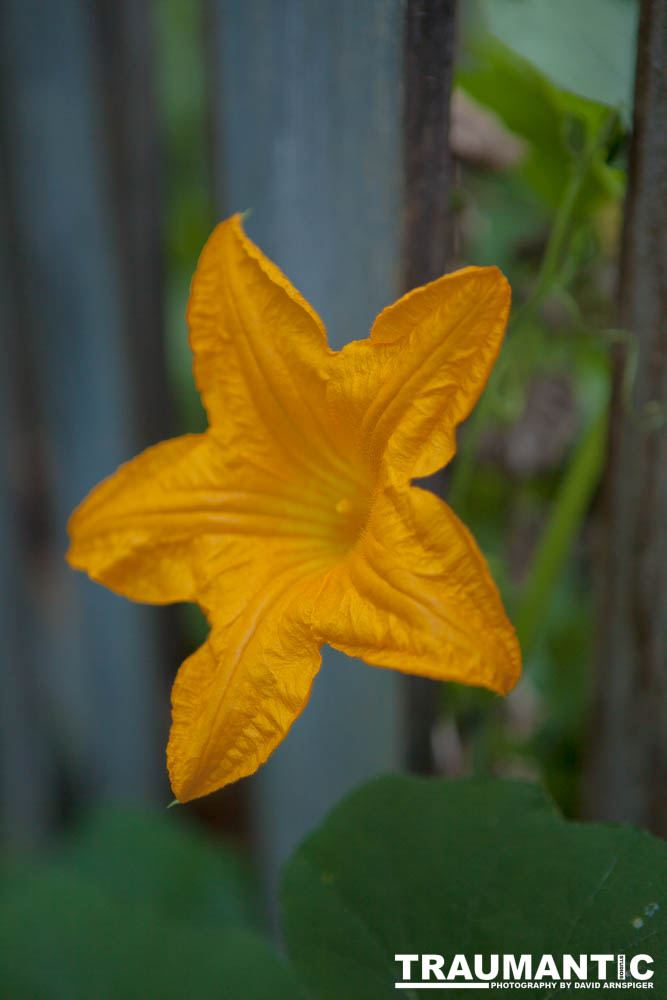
x: 584, y: 47
x: 414, y: 866
x: 542, y: 113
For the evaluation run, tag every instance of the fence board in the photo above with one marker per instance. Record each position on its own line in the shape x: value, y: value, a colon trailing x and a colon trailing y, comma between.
x: 92, y: 656
x: 307, y: 132
x: 628, y: 754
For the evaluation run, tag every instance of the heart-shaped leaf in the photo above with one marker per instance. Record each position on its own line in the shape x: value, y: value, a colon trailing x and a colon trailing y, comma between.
x: 416, y: 866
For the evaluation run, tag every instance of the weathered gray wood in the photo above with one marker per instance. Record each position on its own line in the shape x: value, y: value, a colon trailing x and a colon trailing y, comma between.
x: 428, y: 237
x: 127, y: 100
x: 308, y: 136
x: 429, y: 33
x: 26, y: 769
x: 627, y: 776
x: 91, y: 656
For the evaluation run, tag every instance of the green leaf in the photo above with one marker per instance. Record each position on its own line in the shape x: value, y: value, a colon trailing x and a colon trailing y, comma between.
x: 587, y: 48
x: 134, y: 905
x: 525, y: 100
x: 65, y: 939
x: 534, y: 108
x: 415, y: 866
x: 151, y: 858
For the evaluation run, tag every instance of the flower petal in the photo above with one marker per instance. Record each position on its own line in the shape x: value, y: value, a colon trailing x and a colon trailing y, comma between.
x: 416, y: 595
x: 167, y: 525
x: 260, y: 350
x: 142, y: 531
x: 403, y: 392
x: 236, y: 697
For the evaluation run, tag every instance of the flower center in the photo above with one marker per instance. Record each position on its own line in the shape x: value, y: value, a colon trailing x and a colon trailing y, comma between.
x: 351, y: 514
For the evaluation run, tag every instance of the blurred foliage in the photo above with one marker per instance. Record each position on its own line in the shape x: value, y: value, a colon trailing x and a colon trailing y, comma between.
x: 582, y: 47
x: 559, y: 77
x: 138, y: 906
x: 555, y: 123
x: 134, y: 905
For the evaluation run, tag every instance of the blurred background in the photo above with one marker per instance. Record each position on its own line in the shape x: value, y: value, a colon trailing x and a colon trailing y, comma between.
x: 378, y: 144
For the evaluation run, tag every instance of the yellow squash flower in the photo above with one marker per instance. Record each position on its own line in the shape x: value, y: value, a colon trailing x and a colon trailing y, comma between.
x: 292, y: 521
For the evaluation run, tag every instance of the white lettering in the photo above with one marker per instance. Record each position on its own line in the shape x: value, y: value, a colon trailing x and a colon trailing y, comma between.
x: 547, y: 967
x: 634, y: 967
x: 479, y: 967
x: 602, y: 963
x: 521, y: 970
x: 432, y: 964
x: 571, y: 971
x: 579, y: 968
x: 459, y: 967
x: 406, y: 961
